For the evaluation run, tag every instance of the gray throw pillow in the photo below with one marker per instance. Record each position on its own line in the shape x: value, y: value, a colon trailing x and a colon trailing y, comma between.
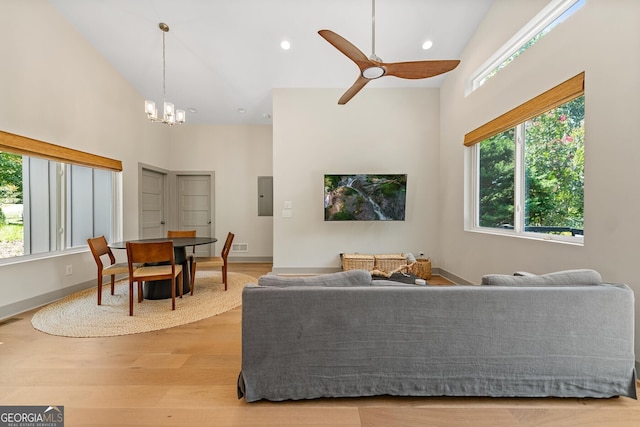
x: 340, y: 279
x: 581, y: 277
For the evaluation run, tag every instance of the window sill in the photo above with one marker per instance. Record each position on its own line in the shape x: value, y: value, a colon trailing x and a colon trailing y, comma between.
x: 552, y: 238
x: 35, y: 257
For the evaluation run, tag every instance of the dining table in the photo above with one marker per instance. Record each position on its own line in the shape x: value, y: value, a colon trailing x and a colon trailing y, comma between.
x: 162, y: 289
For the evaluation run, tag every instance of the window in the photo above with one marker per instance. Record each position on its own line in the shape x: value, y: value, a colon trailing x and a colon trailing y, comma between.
x: 528, y: 168
x: 49, y: 206
x: 541, y: 24
x: 89, y: 200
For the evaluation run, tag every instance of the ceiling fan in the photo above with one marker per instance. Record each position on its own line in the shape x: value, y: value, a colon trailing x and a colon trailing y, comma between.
x: 372, y: 68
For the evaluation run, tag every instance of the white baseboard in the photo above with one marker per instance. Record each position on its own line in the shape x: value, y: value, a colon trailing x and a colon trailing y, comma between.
x: 250, y: 259
x: 455, y: 279
x: 10, y: 310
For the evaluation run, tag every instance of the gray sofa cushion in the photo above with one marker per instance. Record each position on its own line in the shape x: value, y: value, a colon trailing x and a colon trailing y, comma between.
x: 582, y: 277
x: 340, y: 279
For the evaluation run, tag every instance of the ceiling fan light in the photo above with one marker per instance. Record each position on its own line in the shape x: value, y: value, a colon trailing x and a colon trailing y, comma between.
x: 373, y: 72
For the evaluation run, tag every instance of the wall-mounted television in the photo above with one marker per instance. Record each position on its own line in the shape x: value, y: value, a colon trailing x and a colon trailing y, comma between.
x: 365, y: 197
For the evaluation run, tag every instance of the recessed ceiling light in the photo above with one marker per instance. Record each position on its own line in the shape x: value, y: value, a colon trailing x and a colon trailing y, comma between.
x: 285, y: 45
x: 427, y: 45
x: 241, y: 111
x: 193, y: 110
x: 266, y: 116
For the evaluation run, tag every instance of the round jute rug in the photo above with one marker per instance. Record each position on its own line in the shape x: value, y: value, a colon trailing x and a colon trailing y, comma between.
x: 79, y: 315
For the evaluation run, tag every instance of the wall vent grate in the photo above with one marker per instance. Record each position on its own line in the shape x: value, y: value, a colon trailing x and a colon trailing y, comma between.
x: 240, y: 247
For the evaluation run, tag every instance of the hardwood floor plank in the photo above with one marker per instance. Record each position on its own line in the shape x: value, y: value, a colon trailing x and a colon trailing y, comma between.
x: 578, y: 418
x: 436, y: 417
x: 234, y: 417
x: 186, y: 376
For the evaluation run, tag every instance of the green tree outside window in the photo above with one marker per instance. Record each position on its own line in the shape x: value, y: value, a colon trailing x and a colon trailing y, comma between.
x: 553, y: 165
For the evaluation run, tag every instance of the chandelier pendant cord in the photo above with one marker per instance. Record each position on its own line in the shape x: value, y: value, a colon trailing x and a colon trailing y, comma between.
x: 164, y: 90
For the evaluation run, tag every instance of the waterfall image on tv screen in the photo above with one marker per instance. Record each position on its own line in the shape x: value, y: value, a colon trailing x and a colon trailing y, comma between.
x: 364, y: 197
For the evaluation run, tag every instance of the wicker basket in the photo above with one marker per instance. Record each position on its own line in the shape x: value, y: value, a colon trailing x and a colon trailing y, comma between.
x: 389, y: 262
x: 422, y: 268
x: 357, y: 262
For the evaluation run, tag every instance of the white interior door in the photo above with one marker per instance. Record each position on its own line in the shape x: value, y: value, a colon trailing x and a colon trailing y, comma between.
x: 194, y: 207
x: 153, y: 208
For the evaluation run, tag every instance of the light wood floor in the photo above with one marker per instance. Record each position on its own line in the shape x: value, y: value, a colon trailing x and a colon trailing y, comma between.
x: 186, y: 376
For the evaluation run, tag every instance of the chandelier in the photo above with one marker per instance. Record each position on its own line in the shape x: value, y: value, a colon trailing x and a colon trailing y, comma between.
x: 170, y: 116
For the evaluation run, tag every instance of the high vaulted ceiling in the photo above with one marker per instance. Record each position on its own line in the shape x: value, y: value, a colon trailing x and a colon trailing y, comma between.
x: 224, y: 56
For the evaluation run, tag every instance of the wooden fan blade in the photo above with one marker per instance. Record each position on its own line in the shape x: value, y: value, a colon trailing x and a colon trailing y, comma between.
x: 348, y: 49
x: 355, y: 88
x: 419, y: 69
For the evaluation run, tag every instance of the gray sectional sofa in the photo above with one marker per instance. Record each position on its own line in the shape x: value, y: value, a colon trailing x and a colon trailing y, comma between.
x: 342, y: 335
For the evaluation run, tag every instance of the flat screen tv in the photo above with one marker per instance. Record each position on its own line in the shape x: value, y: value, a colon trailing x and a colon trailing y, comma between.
x: 365, y: 197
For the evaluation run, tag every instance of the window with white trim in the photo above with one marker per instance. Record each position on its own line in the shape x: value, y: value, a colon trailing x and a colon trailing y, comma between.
x: 527, y: 175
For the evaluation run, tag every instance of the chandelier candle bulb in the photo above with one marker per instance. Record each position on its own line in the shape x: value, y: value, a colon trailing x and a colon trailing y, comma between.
x: 150, y: 109
x: 168, y: 110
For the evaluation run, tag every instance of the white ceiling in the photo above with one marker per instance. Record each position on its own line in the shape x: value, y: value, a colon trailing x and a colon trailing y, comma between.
x: 225, y: 55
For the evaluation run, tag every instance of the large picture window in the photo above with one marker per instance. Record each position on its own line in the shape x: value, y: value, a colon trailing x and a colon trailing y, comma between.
x: 50, y: 206
x: 528, y: 174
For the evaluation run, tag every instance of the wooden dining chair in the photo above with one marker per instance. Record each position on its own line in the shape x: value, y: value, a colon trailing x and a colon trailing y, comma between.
x: 214, y: 261
x: 99, y: 249
x: 185, y: 233
x: 152, y: 253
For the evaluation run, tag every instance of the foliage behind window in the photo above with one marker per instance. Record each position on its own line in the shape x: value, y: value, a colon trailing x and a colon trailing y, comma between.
x: 551, y: 164
x: 554, y: 167
x: 496, y: 201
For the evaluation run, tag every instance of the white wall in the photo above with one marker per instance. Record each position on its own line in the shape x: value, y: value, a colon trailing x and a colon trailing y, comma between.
x: 379, y: 131
x: 56, y: 88
x: 602, y: 39
x: 238, y: 155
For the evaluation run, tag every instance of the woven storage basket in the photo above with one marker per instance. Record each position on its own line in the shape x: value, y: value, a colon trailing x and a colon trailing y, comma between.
x: 357, y: 262
x: 389, y: 262
x: 422, y: 268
